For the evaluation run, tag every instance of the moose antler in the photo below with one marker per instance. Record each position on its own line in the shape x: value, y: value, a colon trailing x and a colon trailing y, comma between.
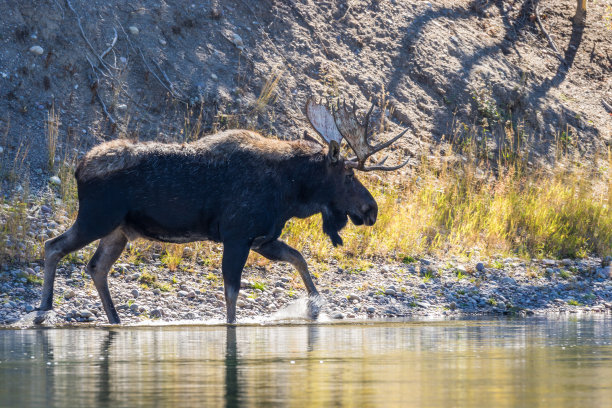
x: 322, y: 121
x: 343, y: 122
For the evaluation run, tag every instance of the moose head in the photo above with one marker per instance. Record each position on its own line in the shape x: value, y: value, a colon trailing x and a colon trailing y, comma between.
x: 334, y: 122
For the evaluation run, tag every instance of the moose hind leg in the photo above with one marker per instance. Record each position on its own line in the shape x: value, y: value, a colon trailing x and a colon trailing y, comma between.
x: 234, y: 257
x: 109, y: 249
x: 55, y: 249
x: 279, y: 251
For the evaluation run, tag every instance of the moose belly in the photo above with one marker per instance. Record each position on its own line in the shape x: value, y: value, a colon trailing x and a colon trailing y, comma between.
x: 171, y: 227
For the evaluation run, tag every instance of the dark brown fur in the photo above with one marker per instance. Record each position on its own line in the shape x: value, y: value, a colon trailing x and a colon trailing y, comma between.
x: 235, y: 187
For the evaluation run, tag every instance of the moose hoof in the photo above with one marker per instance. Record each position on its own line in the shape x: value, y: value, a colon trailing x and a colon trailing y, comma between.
x: 314, y: 306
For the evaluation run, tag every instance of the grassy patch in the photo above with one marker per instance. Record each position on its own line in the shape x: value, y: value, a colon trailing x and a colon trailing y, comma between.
x: 258, y: 285
x: 564, y: 212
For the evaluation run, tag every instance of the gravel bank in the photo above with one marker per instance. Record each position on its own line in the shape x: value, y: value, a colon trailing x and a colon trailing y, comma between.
x: 419, y: 287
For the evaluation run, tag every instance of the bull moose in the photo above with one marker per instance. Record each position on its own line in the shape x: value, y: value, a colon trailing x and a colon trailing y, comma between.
x: 235, y: 187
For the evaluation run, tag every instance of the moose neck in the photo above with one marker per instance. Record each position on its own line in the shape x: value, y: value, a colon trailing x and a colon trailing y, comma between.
x: 310, y: 190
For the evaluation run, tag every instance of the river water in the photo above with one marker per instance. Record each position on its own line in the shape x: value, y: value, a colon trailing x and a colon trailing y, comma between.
x: 562, y: 362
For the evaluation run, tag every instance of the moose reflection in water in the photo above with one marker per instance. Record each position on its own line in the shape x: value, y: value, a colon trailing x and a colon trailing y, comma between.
x: 514, y: 362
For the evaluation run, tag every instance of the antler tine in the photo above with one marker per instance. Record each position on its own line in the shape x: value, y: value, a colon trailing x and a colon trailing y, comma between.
x: 388, y: 143
x: 385, y: 168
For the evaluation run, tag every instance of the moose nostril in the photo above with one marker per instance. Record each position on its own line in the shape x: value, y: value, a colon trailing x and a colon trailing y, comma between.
x: 366, y: 208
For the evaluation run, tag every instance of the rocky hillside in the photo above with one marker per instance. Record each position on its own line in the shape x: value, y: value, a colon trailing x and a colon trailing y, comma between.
x: 175, y: 69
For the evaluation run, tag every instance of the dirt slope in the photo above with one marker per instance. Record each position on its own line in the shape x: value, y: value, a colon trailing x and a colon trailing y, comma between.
x: 254, y: 64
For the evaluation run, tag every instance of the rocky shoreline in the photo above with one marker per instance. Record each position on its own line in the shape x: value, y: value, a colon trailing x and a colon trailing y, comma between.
x: 423, y: 287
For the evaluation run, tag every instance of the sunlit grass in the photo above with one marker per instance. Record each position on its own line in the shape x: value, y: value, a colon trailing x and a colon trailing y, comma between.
x: 559, y: 213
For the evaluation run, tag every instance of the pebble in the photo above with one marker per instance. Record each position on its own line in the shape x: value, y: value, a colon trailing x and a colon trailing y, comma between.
x: 55, y: 180
x: 237, y: 40
x: 337, y: 315
x: 85, y: 313
x: 353, y: 296
x: 480, y: 267
x: 134, y: 30
x: 69, y: 294
x: 390, y: 292
x: 36, y: 49
x: 135, y: 293
x: 182, y: 293
x: 156, y: 313
x: 162, y: 42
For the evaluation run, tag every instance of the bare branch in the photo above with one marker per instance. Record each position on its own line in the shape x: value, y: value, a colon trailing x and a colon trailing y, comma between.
x: 550, y: 40
x: 112, y: 44
x: 94, y: 89
x: 85, y: 37
x: 144, y: 61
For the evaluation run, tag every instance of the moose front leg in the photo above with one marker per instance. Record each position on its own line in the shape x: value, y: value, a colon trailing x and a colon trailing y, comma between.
x: 235, y: 254
x: 279, y: 251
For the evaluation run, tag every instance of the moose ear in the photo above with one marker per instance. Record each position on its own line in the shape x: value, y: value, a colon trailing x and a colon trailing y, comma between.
x: 334, y: 151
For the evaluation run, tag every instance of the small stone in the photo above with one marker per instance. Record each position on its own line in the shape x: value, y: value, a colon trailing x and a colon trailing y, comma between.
x: 371, y: 309
x: 240, y: 303
x: 156, y: 313
x: 121, y: 107
x: 69, y: 294
x: 424, y: 305
x: 36, y: 49
x: 480, y: 267
x: 338, y: 315
x: 157, y: 291
x: 390, y: 292
x: 162, y: 42
x: 566, y: 262
x: 452, y: 306
x: 85, y: 313
x: 133, y: 30
x: 214, y: 77
x: 605, y: 272
x: 55, y: 180
x: 135, y: 293
x: 182, y: 293
x: 191, y: 294
x: 29, y: 308
x: 353, y: 296
x: 135, y: 308
x: 605, y: 261
x: 237, y: 40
